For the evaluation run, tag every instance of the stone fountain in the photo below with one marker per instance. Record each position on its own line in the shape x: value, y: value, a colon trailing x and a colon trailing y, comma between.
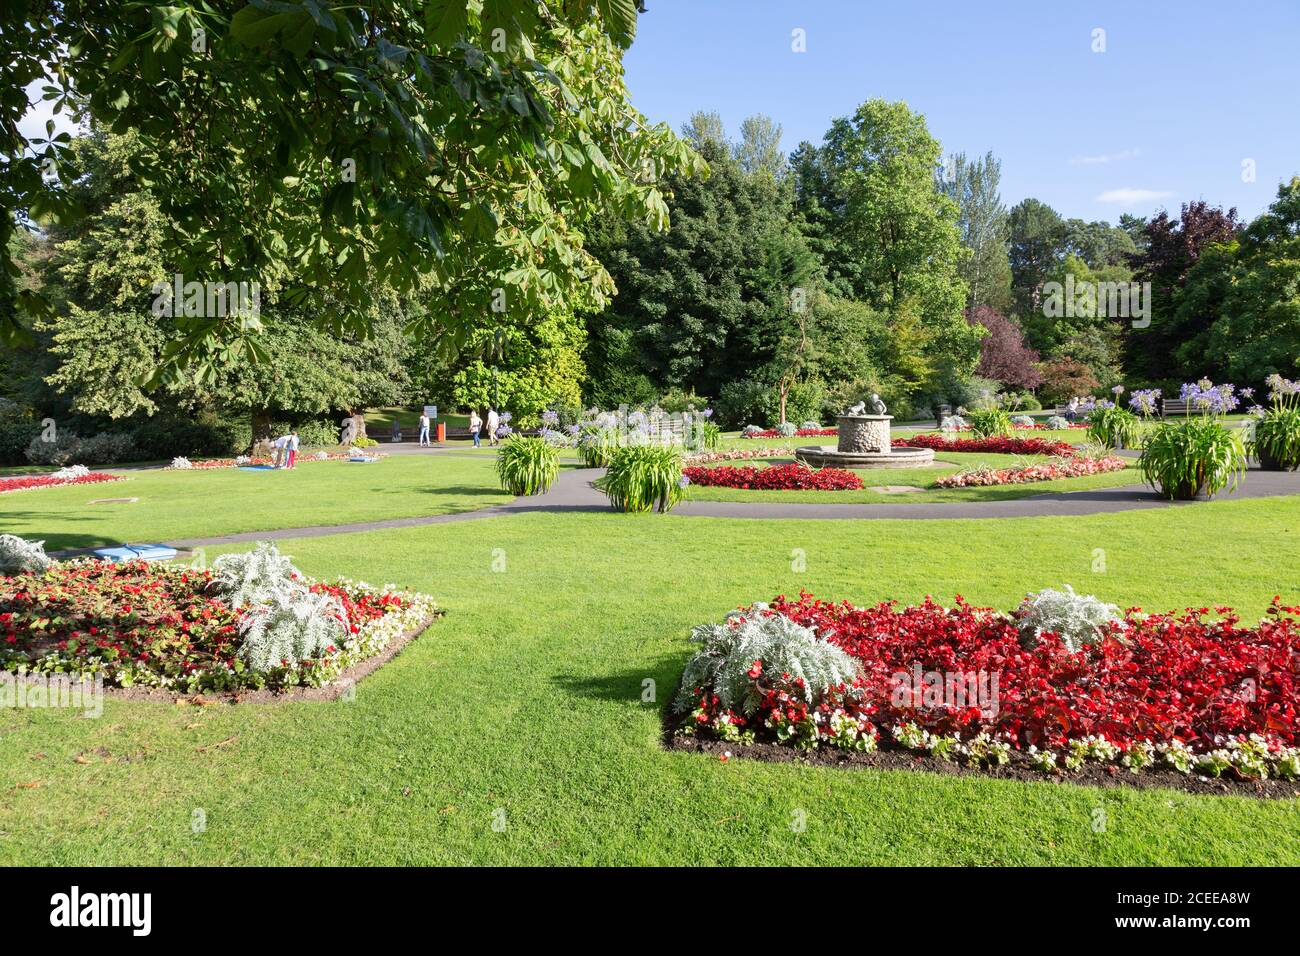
x: 864, y: 443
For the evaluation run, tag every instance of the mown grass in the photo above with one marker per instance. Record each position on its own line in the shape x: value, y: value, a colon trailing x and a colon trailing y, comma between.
x: 190, y: 504
x: 524, y: 705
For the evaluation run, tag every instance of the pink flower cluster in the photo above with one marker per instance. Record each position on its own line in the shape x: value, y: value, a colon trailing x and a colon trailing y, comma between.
x: 1047, y: 471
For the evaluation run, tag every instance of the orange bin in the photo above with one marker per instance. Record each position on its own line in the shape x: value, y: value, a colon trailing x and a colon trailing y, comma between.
x: 441, y: 432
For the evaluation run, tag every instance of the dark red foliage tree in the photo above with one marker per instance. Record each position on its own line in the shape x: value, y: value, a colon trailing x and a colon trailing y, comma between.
x: 1004, y: 356
x: 1065, y: 377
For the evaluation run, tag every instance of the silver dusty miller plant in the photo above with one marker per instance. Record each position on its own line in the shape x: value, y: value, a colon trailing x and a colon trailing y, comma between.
x: 728, y: 650
x: 301, y: 627
x: 282, y: 620
x: 19, y: 556
x: 255, y: 577
x: 1078, y: 619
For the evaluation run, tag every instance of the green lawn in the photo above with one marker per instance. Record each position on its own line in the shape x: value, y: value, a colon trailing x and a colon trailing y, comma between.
x: 194, y: 504
x: 950, y: 463
x: 526, y: 699
x: 379, y: 421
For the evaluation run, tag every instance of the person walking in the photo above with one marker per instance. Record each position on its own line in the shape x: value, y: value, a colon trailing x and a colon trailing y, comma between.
x: 293, y: 448
x: 424, y: 430
x: 493, y: 422
x: 475, y: 426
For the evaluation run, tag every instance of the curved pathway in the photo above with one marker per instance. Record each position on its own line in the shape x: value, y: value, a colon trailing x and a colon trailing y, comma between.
x: 572, y: 492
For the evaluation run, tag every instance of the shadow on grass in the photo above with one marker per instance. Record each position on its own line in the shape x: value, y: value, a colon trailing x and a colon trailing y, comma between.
x: 629, y: 685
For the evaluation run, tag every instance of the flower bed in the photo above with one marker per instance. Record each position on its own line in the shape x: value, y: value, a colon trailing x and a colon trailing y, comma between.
x: 792, y: 477
x: 1047, y: 471
x: 999, y: 445
x: 152, y: 625
x: 799, y: 433
x: 244, y: 461
x: 32, y: 482
x: 1037, y: 426
x: 1183, y: 692
x: 734, y: 454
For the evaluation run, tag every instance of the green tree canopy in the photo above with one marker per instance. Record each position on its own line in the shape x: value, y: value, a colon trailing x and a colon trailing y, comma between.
x: 1258, y: 331
x: 453, y: 146
x: 707, y: 301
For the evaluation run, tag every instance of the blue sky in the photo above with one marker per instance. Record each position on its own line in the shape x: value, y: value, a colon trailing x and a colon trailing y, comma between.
x: 1182, y: 95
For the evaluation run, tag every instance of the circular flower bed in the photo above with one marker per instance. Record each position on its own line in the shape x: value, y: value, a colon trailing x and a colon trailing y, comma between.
x: 1181, y: 690
x: 790, y: 477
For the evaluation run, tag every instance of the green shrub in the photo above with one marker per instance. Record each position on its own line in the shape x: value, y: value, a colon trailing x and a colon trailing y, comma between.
x: 677, y: 400
x: 744, y: 402
x: 1186, y: 457
x: 68, y: 448
x: 1275, y: 439
x: 644, y: 478
x: 527, y: 466
x: 1114, y: 427
x: 165, y: 435
x: 989, y: 422
x: 15, y: 436
x: 804, y: 401
x: 1022, y: 402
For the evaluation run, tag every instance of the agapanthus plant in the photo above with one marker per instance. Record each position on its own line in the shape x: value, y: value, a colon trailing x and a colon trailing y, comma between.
x: 1274, y: 437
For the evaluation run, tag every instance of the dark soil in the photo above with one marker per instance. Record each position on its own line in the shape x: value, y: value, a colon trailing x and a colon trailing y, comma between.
x: 888, y: 757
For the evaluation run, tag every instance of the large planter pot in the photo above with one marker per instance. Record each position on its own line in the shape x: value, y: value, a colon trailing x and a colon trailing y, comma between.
x: 1268, y: 463
x: 1188, y: 493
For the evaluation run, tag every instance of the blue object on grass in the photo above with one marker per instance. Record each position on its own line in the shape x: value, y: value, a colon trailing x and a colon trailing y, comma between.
x: 136, y: 552
x: 258, y: 468
x: 363, y: 458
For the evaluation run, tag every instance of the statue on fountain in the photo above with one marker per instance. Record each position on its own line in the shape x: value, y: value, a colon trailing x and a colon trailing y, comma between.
x: 877, y: 407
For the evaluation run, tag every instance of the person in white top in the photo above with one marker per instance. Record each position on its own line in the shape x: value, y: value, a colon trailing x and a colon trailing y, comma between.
x: 281, y: 446
x: 475, y: 426
x: 293, y: 449
x: 493, y: 422
x: 424, y: 430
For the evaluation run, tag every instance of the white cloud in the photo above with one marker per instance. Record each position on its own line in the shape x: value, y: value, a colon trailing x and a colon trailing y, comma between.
x: 1131, y: 196
x: 1106, y: 158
